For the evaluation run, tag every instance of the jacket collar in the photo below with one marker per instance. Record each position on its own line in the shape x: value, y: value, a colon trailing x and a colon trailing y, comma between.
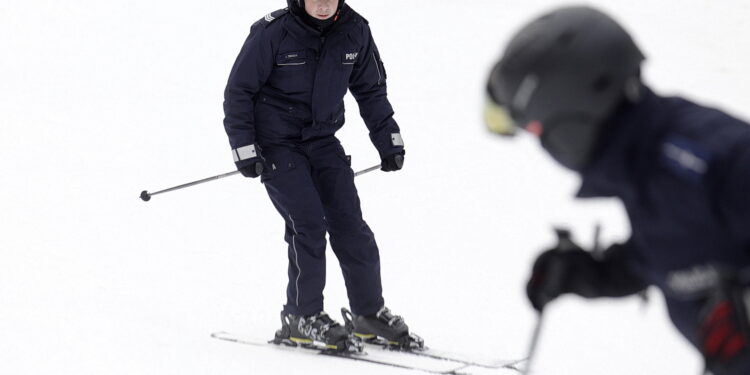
x: 306, y: 34
x: 628, y: 149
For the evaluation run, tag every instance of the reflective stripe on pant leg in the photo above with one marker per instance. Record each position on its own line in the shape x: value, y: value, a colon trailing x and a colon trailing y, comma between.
x: 296, y: 261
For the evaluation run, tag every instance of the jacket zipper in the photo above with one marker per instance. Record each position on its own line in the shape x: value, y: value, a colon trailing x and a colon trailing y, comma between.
x: 315, y: 77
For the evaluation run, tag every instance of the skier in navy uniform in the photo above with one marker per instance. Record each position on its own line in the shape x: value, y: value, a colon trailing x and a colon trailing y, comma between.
x: 282, y: 104
x: 682, y: 170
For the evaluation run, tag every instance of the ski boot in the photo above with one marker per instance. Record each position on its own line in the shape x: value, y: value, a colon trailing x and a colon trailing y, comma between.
x: 383, y: 328
x: 317, y: 331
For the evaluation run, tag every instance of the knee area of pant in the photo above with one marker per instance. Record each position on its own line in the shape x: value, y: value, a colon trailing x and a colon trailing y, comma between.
x: 350, y: 226
x: 310, y: 227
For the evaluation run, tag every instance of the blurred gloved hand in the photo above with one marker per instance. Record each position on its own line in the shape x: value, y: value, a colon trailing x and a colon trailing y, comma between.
x: 723, y: 331
x: 252, y: 168
x: 566, y: 268
x: 393, y: 162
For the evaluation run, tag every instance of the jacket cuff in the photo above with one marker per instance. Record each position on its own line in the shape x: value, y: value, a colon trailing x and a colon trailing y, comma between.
x: 245, y: 155
x: 388, y: 143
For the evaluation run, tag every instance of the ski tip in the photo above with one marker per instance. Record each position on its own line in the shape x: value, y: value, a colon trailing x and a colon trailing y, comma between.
x: 219, y: 334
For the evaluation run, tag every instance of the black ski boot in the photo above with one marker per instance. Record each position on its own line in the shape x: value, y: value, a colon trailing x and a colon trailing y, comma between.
x: 382, y: 328
x: 315, y: 331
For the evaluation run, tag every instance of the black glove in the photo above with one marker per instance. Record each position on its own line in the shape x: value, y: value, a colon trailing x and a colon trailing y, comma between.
x: 564, y: 269
x: 569, y: 269
x: 252, y: 169
x: 723, y: 332
x: 393, y: 162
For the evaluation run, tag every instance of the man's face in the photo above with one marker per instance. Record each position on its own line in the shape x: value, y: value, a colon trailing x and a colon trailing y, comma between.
x: 321, y: 9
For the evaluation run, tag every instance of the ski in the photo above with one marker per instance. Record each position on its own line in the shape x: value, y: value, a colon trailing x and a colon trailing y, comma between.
x: 379, y: 357
x: 447, y: 356
x: 414, y: 345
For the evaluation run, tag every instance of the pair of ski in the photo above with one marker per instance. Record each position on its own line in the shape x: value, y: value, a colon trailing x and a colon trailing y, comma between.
x: 419, y: 359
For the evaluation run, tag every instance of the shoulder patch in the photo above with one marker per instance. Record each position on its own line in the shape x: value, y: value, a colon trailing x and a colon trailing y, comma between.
x: 273, y: 16
x: 685, y: 157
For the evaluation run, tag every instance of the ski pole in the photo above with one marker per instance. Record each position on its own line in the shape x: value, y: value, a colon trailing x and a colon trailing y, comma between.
x: 368, y: 170
x: 534, y: 341
x: 399, y: 159
x: 597, y: 250
x: 146, y: 196
x: 564, y: 244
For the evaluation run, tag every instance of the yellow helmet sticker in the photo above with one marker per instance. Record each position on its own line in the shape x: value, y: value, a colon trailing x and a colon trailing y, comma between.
x: 497, y: 119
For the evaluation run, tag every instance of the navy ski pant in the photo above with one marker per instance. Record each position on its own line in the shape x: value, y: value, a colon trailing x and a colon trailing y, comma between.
x: 312, y: 186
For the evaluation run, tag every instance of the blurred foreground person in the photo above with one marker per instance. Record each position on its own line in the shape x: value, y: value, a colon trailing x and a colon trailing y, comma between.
x: 283, y: 104
x: 682, y: 170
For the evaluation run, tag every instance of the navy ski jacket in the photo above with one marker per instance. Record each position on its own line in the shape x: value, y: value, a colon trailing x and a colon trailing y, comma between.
x: 289, y: 81
x: 683, y: 173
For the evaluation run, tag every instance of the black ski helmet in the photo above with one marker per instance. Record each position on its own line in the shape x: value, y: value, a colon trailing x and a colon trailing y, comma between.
x: 560, y: 77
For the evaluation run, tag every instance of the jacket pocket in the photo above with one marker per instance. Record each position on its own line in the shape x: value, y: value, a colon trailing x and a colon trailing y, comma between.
x: 382, y: 75
x: 271, y: 107
x: 292, y: 73
x: 276, y: 164
x: 339, y: 151
x: 292, y: 58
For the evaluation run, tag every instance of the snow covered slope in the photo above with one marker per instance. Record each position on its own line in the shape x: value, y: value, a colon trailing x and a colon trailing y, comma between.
x: 100, y: 100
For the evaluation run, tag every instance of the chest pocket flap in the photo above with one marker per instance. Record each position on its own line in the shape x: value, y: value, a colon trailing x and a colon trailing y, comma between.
x: 291, y: 58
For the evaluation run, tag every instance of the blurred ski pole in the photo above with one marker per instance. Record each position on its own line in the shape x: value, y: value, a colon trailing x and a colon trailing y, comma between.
x: 146, y: 196
x: 597, y: 249
x: 564, y: 243
x: 534, y: 341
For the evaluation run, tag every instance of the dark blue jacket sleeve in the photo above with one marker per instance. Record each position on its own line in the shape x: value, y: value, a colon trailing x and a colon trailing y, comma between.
x: 367, y: 85
x: 734, y: 196
x: 618, y: 275
x: 250, y: 72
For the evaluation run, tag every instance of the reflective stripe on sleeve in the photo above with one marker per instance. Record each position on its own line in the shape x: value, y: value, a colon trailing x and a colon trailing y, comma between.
x: 396, y: 140
x: 244, y: 153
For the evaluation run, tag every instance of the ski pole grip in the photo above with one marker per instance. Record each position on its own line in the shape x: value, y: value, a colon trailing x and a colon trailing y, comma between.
x: 557, y: 270
x: 564, y: 241
x: 399, y: 160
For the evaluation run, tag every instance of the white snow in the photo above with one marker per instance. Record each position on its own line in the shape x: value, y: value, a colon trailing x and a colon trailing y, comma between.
x: 100, y: 100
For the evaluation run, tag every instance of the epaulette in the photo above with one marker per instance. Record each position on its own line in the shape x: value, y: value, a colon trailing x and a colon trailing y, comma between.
x: 273, y: 16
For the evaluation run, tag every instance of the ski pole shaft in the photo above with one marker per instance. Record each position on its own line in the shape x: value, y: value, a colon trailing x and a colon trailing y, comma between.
x: 534, y: 342
x: 554, y: 275
x: 368, y: 170
x: 597, y: 249
x: 146, y: 196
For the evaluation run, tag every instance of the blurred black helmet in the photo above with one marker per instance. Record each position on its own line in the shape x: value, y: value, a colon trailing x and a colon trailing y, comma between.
x: 560, y: 77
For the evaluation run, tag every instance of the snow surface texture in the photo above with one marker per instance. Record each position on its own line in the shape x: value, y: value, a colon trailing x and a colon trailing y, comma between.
x: 101, y: 100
